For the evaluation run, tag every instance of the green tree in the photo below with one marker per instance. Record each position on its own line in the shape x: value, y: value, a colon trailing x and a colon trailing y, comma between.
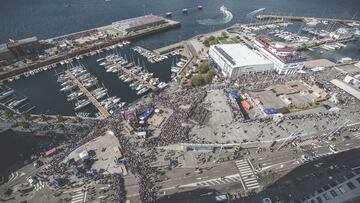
x: 206, y: 43
x: 26, y: 125
x: 211, y: 38
x: 9, y: 115
x: 25, y: 116
x: 224, y: 34
x: 59, y: 118
x: 77, y: 119
x: 42, y: 117
x: 204, y: 67
x: 197, y: 80
x: 60, y: 127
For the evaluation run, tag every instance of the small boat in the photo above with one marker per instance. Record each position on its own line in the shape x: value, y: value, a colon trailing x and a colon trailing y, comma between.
x: 67, y: 88
x: 129, y: 79
x: 139, y: 87
x: 80, y: 104
x: 17, y: 102
x: 100, y: 59
x: 162, y: 85
x: 101, y: 94
x: 142, y: 91
x: 6, y: 94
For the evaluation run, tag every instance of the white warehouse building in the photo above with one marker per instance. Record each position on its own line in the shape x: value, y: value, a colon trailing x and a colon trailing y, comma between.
x: 237, y: 59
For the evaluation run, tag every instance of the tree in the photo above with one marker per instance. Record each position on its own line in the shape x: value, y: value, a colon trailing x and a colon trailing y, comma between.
x: 77, y: 119
x: 26, y: 125
x: 206, y: 43
x: 204, y: 67
x: 25, y: 116
x: 42, y: 117
x: 60, y: 126
x: 9, y: 115
x: 211, y: 38
x: 59, y: 118
x: 224, y: 34
x: 197, y: 80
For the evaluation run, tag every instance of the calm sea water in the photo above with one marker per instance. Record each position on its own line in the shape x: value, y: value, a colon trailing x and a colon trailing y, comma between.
x: 45, y: 19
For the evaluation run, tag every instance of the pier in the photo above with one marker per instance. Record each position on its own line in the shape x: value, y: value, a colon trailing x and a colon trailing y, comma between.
x: 171, y: 24
x: 86, y: 92
x: 189, y: 49
x: 317, y: 43
x: 136, y: 77
x: 169, y: 48
x: 305, y: 18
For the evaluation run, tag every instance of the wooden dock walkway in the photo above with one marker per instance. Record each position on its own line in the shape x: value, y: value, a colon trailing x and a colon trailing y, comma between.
x: 86, y: 92
x: 136, y: 77
x: 305, y: 18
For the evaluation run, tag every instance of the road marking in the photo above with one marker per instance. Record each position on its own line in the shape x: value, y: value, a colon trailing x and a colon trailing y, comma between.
x: 79, y: 196
x: 247, y: 175
x: 216, y: 181
x: 356, y: 135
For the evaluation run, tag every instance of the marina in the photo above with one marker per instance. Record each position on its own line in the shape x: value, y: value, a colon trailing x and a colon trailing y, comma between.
x: 144, y: 25
x: 90, y: 96
x: 115, y: 114
x: 307, y: 19
x: 64, y: 102
x: 13, y: 101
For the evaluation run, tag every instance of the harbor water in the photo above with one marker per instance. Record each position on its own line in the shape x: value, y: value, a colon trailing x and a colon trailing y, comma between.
x: 42, y: 89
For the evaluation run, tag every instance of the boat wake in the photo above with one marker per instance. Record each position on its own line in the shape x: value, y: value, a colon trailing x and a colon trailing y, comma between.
x: 252, y: 13
x: 224, y: 17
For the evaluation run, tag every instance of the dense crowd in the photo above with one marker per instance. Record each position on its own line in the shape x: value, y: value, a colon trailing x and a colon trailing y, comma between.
x: 139, y: 164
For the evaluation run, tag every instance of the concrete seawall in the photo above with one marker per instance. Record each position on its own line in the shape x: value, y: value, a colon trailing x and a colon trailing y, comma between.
x: 87, y: 50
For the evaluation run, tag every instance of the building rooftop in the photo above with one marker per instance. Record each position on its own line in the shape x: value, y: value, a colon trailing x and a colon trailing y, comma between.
x: 3, y: 48
x: 347, y: 88
x: 138, y: 21
x: 240, y: 55
x: 22, y: 41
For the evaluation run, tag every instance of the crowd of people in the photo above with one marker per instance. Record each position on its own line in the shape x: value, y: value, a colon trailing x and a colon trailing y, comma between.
x: 184, y: 104
x: 139, y: 164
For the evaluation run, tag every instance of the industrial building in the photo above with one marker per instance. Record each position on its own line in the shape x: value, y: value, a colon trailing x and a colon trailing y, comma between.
x: 286, y: 60
x: 138, y: 23
x: 237, y: 59
x: 25, y: 48
x: 6, y: 57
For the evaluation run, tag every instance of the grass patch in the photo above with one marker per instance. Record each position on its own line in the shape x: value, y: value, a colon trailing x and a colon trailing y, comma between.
x: 205, y: 74
x: 303, y: 107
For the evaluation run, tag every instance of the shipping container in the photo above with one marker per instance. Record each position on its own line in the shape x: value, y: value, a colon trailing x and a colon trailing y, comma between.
x: 246, y: 105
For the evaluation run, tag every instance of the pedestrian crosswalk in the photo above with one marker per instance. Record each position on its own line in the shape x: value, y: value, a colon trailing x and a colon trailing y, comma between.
x: 39, y: 185
x: 78, y: 196
x: 13, y: 176
x: 356, y: 135
x: 306, y: 143
x: 216, y: 181
x: 247, y: 175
